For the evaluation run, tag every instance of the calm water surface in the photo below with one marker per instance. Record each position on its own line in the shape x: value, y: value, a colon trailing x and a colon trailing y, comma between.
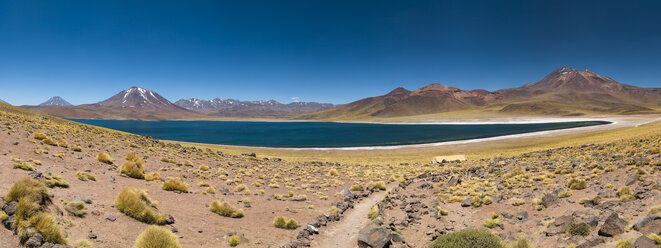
x: 320, y: 134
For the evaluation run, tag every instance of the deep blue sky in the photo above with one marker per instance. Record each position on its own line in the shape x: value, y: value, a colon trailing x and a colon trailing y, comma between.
x: 327, y: 51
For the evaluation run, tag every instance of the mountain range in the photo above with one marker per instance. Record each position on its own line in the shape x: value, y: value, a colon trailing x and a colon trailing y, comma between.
x: 565, y: 91
x: 236, y: 108
x: 137, y: 103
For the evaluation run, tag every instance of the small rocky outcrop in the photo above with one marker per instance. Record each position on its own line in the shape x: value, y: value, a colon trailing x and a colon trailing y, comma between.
x: 613, y: 225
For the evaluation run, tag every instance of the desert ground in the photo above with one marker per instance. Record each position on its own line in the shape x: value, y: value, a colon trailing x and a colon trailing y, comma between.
x: 585, y: 187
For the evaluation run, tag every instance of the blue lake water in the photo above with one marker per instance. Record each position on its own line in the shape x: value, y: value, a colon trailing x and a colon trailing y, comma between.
x: 321, y: 134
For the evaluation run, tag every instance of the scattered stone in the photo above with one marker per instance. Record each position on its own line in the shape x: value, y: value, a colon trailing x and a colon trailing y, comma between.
x: 83, y: 199
x: 612, y: 226
x: 34, y: 240
x: 591, y: 243
x: 522, y: 216
x: 374, y: 236
x: 548, y: 199
x: 644, y: 242
x: 111, y: 218
x: 467, y: 202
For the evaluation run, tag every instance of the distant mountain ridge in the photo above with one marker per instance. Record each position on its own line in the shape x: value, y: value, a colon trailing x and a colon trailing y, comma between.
x: 55, y: 101
x: 235, y: 108
x: 135, y: 103
x: 2, y: 101
x: 565, y: 91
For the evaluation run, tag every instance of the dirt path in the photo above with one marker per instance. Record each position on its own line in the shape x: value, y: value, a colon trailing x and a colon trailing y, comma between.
x: 345, y: 233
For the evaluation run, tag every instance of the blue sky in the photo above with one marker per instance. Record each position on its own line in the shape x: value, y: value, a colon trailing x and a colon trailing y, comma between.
x: 326, y: 51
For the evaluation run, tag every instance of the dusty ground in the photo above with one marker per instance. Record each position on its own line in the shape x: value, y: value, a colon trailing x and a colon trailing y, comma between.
x: 619, y: 148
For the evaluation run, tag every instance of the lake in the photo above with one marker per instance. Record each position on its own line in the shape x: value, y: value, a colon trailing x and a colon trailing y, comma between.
x: 321, y: 134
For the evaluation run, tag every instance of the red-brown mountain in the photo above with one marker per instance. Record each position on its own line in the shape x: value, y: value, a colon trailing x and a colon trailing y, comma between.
x: 135, y: 103
x: 565, y: 91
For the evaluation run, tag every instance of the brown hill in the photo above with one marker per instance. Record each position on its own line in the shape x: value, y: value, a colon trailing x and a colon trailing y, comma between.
x: 135, y: 104
x: 565, y: 91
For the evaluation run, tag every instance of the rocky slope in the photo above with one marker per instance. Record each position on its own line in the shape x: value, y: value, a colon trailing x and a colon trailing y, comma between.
x: 565, y: 91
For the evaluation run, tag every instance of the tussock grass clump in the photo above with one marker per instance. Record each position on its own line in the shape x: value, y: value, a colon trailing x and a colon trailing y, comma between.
x: 45, y: 224
x: 284, y: 223
x: 379, y: 185
x: 33, y: 190
x: 104, y: 158
x: 333, y: 173
x: 467, y: 238
x: 75, y: 208
x: 356, y: 188
x: 133, y: 170
x: 576, y: 229
x: 522, y: 243
x: 566, y: 193
x: 175, y: 184
x: 135, y: 203
x: 625, y: 194
x: 373, y: 213
x: 85, y: 176
x: 655, y: 237
x: 153, y: 176
x: 624, y: 243
x: 77, y: 149
x: 225, y: 209
x: 84, y: 243
x: 157, y: 237
x: 55, y: 181
x: 24, y: 166
x: 40, y: 136
x: 3, y: 216
x: 577, y: 184
x: 234, y: 240
x: 655, y: 210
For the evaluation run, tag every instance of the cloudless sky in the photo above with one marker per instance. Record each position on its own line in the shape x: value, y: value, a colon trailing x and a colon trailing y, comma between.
x: 326, y: 51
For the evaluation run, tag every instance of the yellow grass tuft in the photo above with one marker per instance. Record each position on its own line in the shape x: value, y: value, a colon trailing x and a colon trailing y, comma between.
x: 175, y: 184
x: 104, y: 158
x: 157, y: 237
x: 135, y: 203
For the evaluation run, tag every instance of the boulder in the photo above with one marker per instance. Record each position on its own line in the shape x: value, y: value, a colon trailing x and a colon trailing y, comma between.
x: 522, y: 216
x: 34, y: 240
x: 649, y: 224
x: 644, y: 242
x: 347, y: 193
x: 467, y: 202
x: 560, y: 225
x: 10, y: 208
x: 613, y: 225
x: 548, y: 199
x: 631, y: 179
x: 374, y: 236
x: 591, y: 243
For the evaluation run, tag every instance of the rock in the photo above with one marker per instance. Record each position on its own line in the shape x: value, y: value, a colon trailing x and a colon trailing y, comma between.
x: 374, y: 236
x: 34, y: 240
x: 560, y: 225
x: 454, y: 180
x: 7, y: 223
x: 111, y: 218
x: 649, y: 224
x: 548, y: 199
x: 506, y: 215
x: 467, y: 202
x: 591, y: 243
x: 174, y: 230
x: 592, y: 221
x: 83, y: 199
x: 522, y: 216
x: 395, y: 237
x: 347, y: 193
x: 10, y: 208
x: 612, y: 226
x: 169, y: 219
x: 644, y: 242
x: 631, y: 179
